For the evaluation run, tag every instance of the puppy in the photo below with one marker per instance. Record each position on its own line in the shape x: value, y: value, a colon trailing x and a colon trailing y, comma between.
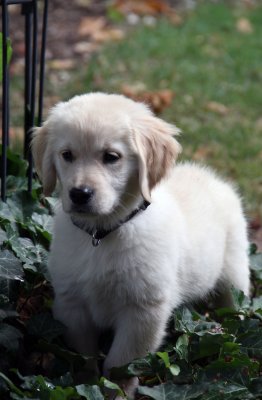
x: 135, y: 236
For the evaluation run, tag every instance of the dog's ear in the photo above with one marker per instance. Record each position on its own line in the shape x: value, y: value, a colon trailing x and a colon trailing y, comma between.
x: 157, y: 151
x: 43, y: 159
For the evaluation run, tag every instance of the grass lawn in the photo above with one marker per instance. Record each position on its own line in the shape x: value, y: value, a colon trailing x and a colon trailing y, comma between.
x: 213, y: 56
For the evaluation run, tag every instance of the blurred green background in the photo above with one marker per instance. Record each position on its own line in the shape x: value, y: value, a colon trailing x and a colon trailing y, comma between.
x: 198, y: 62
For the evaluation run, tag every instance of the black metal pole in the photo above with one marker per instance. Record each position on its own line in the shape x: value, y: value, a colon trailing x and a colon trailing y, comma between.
x: 27, y: 12
x: 33, y: 96
x: 42, y: 64
x: 5, y: 98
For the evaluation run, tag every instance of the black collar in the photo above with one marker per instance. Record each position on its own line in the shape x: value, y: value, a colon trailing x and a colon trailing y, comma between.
x: 98, y: 234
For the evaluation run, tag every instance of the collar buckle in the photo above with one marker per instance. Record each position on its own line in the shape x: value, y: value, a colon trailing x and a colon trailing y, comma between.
x: 95, y: 241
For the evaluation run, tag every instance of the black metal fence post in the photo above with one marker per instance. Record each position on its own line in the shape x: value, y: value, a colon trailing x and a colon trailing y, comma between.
x: 31, y: 76
x: 5, y: 100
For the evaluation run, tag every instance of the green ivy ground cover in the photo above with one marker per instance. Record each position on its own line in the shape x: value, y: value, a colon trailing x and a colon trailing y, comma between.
x: 214, y: 355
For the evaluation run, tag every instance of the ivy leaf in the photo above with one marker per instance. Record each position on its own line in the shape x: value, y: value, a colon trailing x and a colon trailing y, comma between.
x: 9, y: 53
x: 26, y: 250
x: 3, y: 236
x: 9, y: 336
x: 174, y: 369
x: 164, y: 356
x: 255, y: 386
x: 89, y: 392
x: 74, y: 359
x: 38, y: 385
x: 182, y: 347
x: 236, y: 367
x: 241, y: 302
x: 257, y: 303
x: 11, y: 274
x: 10, y: 266
x: 44, y: 326
x: 6, y: 213
x: 112, y: 386
x: 12, y: 386
x: 170, y: 391
x: 256, y: 265
x: 59, y: 393
x: 251, y: 343
x: 192, y: 322
x: 22, y: 205
x: 207, y: 345
x: 44, y: 223
x: 226, y: 391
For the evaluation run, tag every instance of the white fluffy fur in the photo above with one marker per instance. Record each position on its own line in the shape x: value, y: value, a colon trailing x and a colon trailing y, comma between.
x: 190, y: 241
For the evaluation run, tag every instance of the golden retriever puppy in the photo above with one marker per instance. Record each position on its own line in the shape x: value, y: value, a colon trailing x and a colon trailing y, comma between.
x: 135, y: 236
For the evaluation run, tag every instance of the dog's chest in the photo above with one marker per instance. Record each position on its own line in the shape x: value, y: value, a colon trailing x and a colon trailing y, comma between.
x: 125, y: 270
x: 107, y: 281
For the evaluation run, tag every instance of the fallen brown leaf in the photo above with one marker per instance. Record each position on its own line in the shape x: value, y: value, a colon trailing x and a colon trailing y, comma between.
x: 90, y: 25
x: 258, y: 124
x: 97, y: 29
x: 255, y: 229
x: 39, y: 360
x: 16, y: 135
x: 141, y: 7
x: 255, y: 223
x: 157, y: 100
x: 217, y: 107
x: 202, y: 153
x: 175, y: 18
x: 50, y: 101
x: 17, y: 67
x: 83, y: 3
x: 35, y: 303
x: 85, y: 47
x: 65, y: 64
x: 108, y: 34
x: 243, y: 25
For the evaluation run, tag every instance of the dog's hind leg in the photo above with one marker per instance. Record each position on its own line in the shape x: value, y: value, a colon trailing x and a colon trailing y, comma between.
x: 236, y: 264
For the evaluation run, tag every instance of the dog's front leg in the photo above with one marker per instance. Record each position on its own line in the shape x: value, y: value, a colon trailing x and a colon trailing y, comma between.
x: 81, y: 333
x: 139, y: 330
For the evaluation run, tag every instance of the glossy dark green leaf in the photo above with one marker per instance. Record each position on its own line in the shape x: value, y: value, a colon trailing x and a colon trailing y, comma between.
x: 169, y: 391
x: 192, y: 322
x: 207, y: 345
x: 10, y: 266
x: 3, y: 236
x: 71, y: 357
x: 256, y: 265
x: 112, y: 386
x: 44, y: 326
x: 241, y: 302
x: 181, y: 347
x: 251, y: 343
x: 9, y: 53
x: 90, y: 392
x: 9, y: 336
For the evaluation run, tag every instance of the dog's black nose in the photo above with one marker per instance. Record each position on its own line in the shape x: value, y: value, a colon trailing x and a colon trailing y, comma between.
x: 81, y: 195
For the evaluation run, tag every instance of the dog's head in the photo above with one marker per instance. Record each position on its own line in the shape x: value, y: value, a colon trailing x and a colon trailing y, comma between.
x: 107, y: 151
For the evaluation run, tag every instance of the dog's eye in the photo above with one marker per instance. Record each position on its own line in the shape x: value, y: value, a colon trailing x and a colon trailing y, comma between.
x: 110, y: 157
x: 67, y: 155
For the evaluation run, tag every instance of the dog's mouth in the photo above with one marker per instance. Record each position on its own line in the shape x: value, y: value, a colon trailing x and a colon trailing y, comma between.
x: 90, y: 212
x: 83, y: 210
